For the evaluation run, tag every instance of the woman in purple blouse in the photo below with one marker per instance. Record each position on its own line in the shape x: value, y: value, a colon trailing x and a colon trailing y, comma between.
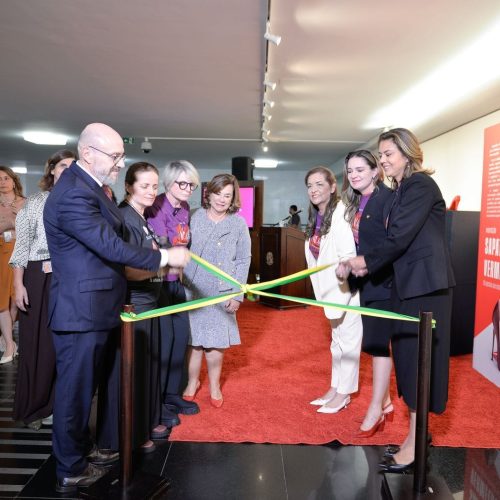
x: 169, y: 217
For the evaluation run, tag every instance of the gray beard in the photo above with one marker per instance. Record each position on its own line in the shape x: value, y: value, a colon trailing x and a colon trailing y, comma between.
x: 107, y: 179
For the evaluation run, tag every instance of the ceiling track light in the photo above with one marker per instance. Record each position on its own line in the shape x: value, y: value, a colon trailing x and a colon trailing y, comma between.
x: 269, y: 84
x: 264, y: 138
x: 270, y: 37
x: 267, y: 116
x: 269, y: 103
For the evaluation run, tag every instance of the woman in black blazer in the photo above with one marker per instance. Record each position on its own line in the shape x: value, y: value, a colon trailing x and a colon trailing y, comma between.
x: 365, y: 195
x: 416, y: 247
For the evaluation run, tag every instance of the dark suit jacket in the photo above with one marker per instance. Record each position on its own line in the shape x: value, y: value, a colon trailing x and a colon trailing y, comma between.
x: 84, y: 234
x: 372, y: 233
x: 415, y: 241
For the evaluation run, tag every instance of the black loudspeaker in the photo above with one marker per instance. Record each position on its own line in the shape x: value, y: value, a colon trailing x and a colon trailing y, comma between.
x: 462, y: 229
x: 242, y: 168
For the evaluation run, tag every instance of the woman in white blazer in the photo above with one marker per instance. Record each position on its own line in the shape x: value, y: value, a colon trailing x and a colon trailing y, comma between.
x: 329, y: 240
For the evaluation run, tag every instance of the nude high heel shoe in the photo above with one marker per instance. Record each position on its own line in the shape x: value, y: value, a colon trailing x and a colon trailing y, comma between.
x: 8, y: 359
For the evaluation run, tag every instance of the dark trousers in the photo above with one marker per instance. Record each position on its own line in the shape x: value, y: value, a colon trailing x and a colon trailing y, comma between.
x: 83, y: 362
x: 36, y: 372
x: 174, y: 338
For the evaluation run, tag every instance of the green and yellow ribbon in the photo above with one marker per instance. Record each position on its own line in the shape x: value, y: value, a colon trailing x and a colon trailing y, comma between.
x: 258, y: 289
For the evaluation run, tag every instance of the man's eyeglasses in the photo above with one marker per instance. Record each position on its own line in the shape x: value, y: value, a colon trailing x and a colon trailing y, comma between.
x: 184, y: 185
x: 116, y: 157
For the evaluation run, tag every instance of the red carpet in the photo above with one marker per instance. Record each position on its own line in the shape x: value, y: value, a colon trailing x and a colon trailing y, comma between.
x: 284, y: 362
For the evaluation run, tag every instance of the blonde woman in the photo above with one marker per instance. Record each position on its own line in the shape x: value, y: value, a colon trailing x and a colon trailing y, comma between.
x: 416, y: 247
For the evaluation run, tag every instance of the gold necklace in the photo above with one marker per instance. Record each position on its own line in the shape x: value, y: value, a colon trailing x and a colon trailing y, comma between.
x: 8, y: 204
x: 214, y: 217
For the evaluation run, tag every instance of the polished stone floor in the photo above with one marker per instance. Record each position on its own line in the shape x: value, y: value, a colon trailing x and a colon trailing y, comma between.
x: 219, y: 471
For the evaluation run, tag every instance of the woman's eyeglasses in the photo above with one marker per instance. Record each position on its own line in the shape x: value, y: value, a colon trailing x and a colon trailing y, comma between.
x: 184, y: 185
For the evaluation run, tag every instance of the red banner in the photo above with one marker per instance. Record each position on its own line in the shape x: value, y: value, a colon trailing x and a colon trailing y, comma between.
x: 486, y: 350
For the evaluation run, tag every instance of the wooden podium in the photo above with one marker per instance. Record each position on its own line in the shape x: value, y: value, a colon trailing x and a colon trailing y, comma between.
x: 281, y: 254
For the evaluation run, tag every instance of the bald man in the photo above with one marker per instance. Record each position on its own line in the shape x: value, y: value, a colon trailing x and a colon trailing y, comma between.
x: 84, y: 233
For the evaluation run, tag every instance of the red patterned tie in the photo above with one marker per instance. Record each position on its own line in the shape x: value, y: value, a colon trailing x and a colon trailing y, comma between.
x: 108, y: 191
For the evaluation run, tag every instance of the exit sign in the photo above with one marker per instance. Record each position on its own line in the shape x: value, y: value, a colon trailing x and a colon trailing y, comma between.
x: 128, y: 140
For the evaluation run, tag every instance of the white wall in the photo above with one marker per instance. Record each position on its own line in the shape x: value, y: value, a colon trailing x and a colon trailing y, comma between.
x: 457, y: 158
x: 282, y: 189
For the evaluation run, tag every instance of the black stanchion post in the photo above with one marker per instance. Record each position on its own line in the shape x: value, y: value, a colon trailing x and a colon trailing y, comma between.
x: 126, y: 400
x: 423, y: 394
x: 127, y: 485
x: 420, y: 486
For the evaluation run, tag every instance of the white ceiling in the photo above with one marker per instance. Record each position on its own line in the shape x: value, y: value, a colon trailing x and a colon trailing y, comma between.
x: 193, y: 69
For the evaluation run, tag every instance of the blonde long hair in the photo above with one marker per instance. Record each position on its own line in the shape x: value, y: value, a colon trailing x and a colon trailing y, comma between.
x: 408, y: 145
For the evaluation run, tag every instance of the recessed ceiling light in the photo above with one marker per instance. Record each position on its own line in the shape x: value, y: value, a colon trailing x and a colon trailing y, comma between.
x: 265, y: 163
x: 47, y: 138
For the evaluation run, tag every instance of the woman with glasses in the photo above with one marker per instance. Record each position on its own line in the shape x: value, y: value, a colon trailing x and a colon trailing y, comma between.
x: 221, y: 237
x: 32, y: 270
x: 169, y: 217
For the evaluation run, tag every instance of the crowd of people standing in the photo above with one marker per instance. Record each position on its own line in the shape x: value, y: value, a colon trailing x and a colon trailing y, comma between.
x: 71, y: 257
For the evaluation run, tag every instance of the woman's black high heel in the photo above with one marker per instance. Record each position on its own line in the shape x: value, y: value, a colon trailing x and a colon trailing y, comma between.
x: 388, y: 464
x: 392, y: 449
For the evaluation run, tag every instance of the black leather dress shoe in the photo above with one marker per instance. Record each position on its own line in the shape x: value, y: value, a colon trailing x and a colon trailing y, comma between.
x: 168, y: 417
x: 390, y: 465
x: 103, y: 457
x: 175, y: 403
x: 71, y: 484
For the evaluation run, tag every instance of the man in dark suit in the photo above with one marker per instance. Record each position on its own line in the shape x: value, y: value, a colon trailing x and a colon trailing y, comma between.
x: 84, y: 233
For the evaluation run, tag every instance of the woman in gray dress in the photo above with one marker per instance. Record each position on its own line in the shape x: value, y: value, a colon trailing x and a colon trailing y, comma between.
x: 221, y: 237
